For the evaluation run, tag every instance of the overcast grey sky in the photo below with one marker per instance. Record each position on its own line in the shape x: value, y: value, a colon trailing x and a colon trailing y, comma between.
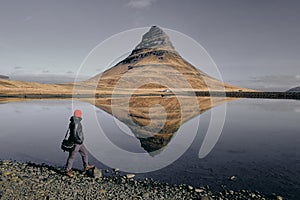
x: 250, y: 40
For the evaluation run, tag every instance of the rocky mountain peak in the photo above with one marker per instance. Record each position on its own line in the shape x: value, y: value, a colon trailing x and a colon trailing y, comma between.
x: 155, y: 38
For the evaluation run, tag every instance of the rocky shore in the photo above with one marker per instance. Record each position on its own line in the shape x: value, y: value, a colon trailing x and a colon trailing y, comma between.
x: 34, y: 181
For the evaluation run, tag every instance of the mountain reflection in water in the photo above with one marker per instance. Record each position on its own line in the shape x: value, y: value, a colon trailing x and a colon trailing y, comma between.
x: 155, y: 119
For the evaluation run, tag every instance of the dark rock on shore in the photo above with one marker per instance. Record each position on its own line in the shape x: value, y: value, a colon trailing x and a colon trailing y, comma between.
x: 33, y: 181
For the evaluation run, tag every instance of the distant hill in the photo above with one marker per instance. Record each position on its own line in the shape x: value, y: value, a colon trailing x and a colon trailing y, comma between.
x: 295, y: 89
x: 22, y: 87
x: 4, y: 77
x: 47, y: 78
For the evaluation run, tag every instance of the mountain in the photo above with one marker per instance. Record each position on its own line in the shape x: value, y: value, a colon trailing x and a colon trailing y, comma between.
x: 155, y: 65
x: 295, y: 89
x: 4, y: 77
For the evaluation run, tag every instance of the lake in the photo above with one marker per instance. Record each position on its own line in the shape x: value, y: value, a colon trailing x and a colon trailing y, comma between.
x: 259, y: 143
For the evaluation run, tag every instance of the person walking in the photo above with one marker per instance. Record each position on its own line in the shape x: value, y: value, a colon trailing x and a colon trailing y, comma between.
x: 77, y: 137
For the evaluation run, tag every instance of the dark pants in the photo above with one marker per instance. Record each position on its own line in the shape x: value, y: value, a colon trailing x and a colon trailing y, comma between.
x: 84, y: 155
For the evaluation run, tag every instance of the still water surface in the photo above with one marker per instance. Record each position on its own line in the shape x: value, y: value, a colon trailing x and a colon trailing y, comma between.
x: 259, y: 144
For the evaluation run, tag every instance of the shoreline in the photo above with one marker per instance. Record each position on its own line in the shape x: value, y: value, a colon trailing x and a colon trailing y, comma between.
x: 257, y: 95
x: 40, y: 181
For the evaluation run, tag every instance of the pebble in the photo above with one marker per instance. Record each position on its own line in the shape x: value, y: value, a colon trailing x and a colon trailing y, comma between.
x: 130, y: 176
x: 199, y: 190
x: 5, y: 162
x: 102, y: 191
x: 33, y: 181
x: 97, y: 173
x: 146, y: 195
x: 279, y: 198
x: 116, y: 170
x: 205, y: 198
x: 7, y: 173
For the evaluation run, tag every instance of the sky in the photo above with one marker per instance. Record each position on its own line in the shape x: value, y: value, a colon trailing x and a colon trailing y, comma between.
x: 254, y: 43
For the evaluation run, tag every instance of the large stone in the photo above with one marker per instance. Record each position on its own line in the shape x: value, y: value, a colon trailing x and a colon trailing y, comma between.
x: 94, y: 173
x: 97, y: 173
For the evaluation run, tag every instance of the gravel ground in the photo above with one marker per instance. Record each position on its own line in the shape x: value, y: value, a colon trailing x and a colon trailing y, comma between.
x: 33, y: 181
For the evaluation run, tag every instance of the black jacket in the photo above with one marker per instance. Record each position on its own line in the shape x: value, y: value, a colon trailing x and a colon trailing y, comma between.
x: 76, y: 134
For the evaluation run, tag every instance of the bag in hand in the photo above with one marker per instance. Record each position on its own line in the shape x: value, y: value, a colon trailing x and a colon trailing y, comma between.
x: 67, y: 145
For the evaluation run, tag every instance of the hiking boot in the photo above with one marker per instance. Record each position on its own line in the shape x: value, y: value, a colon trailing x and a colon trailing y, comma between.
x: 88, y: 167
x: 70, y: 174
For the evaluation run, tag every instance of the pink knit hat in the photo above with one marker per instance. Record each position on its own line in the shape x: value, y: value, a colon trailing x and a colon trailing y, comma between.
x: 77, y: 113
